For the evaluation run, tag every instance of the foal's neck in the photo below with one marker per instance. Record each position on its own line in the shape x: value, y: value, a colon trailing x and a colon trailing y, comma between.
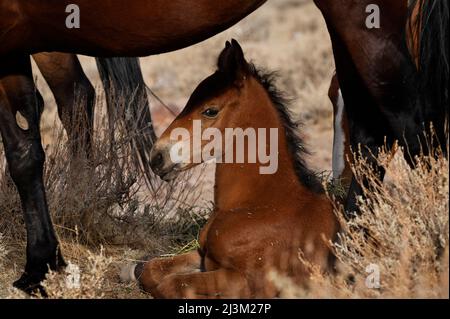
x: 242, y: 187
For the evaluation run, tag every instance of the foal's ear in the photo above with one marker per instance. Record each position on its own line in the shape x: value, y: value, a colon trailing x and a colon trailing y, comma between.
x: 232, y: 61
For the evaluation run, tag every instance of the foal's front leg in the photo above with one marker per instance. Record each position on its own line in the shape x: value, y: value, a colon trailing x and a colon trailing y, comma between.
x: 217, y: 284
x: 26, y: 158
x: 151, y: 273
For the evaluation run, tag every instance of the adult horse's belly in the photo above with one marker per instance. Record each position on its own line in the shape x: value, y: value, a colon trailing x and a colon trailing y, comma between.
x: 125, y: 27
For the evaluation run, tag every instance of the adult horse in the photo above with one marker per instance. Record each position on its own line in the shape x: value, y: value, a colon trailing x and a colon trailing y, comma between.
x: 112, y: 28
x: 393, y: 77
x: 261, y: 223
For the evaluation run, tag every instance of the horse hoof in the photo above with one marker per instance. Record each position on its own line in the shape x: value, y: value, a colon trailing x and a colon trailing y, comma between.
x: 132, y: 272
x: 127, y: 273
x: 31, y: 284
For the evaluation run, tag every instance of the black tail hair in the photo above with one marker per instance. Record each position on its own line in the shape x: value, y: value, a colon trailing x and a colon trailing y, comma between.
x: 122, y: 80
x: 432, y: 26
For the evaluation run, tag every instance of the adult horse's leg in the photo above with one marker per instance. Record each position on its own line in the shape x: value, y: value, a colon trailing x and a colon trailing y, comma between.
x: 415, y: 91
x: 378, y: 100
x: 365, y: 143
x: 26, y: 158
x: 74, y: 95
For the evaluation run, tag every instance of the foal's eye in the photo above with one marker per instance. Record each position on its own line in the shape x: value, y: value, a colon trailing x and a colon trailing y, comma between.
x: 210, y: 112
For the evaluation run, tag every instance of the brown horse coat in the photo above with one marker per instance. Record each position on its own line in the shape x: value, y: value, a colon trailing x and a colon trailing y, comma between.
x: 261, y: 223
x: 116, y: 28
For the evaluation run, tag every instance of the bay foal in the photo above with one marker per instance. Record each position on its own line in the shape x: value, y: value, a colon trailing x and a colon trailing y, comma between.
x: 261, y: 222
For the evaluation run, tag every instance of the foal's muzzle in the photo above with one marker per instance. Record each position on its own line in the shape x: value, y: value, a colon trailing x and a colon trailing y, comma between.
x: 157, y: 162
x: 162, y: 165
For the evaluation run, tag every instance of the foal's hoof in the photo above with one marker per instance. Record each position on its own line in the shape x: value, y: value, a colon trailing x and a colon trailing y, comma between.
x: 31, y: 284
x: 127, y: 273
x: 132, y: 272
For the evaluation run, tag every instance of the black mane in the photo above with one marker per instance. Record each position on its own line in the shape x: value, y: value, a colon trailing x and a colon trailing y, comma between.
x: 295, y: 143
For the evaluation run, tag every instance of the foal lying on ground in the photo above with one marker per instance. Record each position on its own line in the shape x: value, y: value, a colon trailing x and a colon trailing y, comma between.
x: 262, y: 223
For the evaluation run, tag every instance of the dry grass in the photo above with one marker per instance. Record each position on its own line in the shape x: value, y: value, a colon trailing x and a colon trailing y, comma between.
x: 402, y: 232
x: 76, y: 283
x: 3, y: 255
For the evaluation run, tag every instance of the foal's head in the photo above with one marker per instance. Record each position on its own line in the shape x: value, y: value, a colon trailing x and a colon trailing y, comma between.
x: 237, y: 95
x: 218, y: 102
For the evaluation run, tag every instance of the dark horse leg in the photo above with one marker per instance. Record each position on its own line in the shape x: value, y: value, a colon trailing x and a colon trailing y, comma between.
x: 368, y: 151
x: 26, y: 158
x: 74, y: 95
x: 385, y: 96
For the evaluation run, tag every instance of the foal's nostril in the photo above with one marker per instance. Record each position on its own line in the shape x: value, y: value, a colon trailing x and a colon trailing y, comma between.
x: 157, y: 161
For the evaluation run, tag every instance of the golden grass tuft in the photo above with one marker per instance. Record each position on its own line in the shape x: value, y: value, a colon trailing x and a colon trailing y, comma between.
x: 75, y: 282
x: 402, y: 234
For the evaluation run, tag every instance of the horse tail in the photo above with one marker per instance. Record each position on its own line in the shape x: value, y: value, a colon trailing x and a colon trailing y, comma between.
x: 429, y: 22
x: 124, y: 86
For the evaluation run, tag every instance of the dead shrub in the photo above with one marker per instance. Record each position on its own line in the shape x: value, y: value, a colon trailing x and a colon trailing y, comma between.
x: 402, y: 234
